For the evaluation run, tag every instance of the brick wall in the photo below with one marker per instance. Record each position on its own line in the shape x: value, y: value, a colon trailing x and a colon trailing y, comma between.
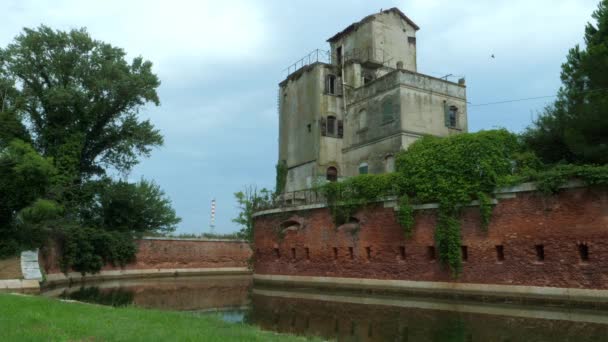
x: 172, y: 254
x: 559, y: 223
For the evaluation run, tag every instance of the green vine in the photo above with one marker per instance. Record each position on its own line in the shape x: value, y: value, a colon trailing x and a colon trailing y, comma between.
x: 405, y: 215
x: 281, y: 179
x: 485, y: 209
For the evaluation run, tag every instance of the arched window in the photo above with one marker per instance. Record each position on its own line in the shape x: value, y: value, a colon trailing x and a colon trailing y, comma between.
x: 387, y: 111
x: 332, y: 174
x: 363, y: 168
x: 362, y: 119
x: 389, y: 163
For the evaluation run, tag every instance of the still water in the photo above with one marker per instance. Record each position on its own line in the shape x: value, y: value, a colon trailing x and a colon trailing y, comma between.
x: 347, y: 316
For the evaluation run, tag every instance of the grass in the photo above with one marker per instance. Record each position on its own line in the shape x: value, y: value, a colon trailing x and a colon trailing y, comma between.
x: 27, y: 318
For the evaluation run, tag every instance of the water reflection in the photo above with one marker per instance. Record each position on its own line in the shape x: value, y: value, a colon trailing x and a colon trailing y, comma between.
x: 347, y: 316
x: 180, y: 294
x: 359, y: 318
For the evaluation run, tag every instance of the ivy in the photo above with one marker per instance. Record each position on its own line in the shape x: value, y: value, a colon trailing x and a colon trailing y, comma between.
x: 281, y: 179
x: 405, y: 216
x: 485, y: 209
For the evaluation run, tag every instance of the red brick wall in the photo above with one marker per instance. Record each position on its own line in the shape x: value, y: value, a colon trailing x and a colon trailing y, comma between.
x: 171, y: 254
x: 558, y: 222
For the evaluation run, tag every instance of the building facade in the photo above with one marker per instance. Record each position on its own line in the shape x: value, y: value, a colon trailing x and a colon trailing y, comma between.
x: 351, y: 112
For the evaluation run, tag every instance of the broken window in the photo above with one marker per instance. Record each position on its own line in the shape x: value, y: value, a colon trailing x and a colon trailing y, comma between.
x: 363, y: 169
x: 339, y: 55
x: 330, y: 87
x: 332, y: 174
x: 451, y: 115
x: 331, y: 125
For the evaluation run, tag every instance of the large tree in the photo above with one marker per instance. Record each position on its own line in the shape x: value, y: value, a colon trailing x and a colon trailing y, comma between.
x: 69, y: 109
x: 574, y: 128
x: 81, y: 98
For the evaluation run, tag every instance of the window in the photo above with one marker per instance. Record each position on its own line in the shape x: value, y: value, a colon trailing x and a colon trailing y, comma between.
x: 332, y: 174
x: 387, y: 111
x: 583, y: 252
x: 307, y: 250
x: 402, y: 252
x: 277, y: 253
x: 540, y: 252
x: 362, y: 119
x: 500, y: 253
x: 351, y: 253
x: 331, y: 125
x: 389, y: 163
x: 368, y: 252
x: 339, y: 55
x: 430, y: 252
x: 309, y: 126
x: 451, y: 116
x: 411, y: 40
x: 464, y: 252
x: 330, y: 87
x: 363, y: 169
x: 336, y: 253
x: 293, y: 253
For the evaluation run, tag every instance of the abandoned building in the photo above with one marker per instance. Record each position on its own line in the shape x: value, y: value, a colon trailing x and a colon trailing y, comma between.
x: 349, y: 110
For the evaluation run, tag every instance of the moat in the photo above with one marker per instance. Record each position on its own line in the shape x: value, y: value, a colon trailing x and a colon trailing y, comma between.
x: 346, y: 316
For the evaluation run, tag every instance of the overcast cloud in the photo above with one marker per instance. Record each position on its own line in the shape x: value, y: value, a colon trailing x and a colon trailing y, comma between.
x: 220, y: 62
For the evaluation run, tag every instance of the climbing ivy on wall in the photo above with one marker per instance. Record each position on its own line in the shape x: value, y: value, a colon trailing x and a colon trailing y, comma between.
x: 281, y: 179
x: 454, y: 172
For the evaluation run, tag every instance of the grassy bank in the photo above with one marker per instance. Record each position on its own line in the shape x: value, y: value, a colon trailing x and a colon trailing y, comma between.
x: 41, y: 319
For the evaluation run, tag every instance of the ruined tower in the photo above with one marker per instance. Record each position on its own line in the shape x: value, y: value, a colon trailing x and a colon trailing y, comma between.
x: 350, y: 110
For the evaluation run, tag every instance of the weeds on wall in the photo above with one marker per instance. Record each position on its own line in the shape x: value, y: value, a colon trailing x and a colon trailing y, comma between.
x: 453, y: 172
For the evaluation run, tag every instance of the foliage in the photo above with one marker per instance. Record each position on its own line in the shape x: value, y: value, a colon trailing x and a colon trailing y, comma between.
x: 249, y: 201
x: 281, y: 180
x: 87, y: 250
x: 69, y: 109
x: 346, y: 197
x: 452, y: 171
x: 25, y: 177
x: 129, y: 207
x: 81, y: 92
x: 573, y: 129
x: 550, y: 180
x: 405, y: 215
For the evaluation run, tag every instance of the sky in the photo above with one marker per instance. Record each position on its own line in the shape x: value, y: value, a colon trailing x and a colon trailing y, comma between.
x: 220, y: 63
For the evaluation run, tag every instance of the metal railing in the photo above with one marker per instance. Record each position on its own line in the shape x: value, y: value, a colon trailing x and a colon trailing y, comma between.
x: 323, y: 56
x: 293, y: 199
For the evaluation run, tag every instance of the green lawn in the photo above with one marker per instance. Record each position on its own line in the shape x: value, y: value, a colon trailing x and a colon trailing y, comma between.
x: 26, y: 318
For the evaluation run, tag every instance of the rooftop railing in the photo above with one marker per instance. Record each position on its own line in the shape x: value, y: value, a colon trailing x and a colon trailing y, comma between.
x: 315, y: 56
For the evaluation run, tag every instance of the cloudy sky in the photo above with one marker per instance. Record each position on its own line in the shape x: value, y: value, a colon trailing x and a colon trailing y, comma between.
x: 220, y: 63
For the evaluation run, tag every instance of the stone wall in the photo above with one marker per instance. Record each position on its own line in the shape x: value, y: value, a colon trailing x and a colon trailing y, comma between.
x: 533, y: 239
x: 161, y: 253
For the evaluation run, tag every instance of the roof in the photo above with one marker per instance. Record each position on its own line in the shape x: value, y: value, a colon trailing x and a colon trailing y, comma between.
x: 371, y: 17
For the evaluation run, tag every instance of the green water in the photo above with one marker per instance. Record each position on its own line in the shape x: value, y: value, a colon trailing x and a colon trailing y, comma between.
x: 348, y: 316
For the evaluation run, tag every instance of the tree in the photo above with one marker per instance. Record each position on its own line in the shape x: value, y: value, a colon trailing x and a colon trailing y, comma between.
x: 69, y: 109
x: 82, y: 98
x: 574, y: 128
x: 249, y: 200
